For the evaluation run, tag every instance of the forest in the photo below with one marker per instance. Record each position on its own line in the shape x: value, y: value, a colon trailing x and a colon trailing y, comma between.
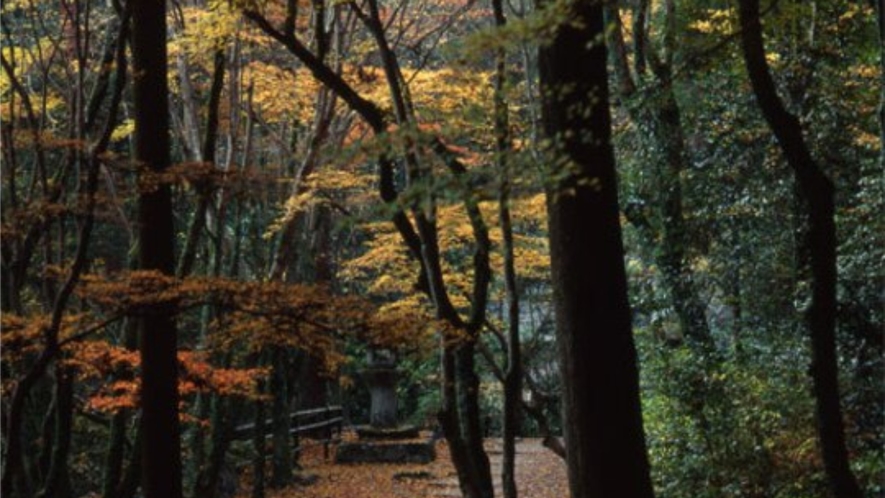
x: 585, y: 248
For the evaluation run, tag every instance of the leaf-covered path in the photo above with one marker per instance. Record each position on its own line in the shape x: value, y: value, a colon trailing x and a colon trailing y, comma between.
x: 539, y: 474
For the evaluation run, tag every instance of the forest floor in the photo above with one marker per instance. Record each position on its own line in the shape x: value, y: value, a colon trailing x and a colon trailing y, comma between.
x: 539, y: 474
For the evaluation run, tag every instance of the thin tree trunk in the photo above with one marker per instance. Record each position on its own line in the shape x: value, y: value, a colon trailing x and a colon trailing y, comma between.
x: 448, y: 420
x: 113, y: 469
x: 204, y: 193
x: 208, y: 478
x: 282, y: 449
x: 602, y: 418
x: 54, y: 485
x: 129, y: 483
x: 47, y: 431
x: 820, y: 194
x: 880, y: 15
x: 467, y: 383
x: 513, y: 373
x: 259, y: 449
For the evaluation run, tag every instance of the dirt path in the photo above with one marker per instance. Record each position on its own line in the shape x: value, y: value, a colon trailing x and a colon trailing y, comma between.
x: 539, y: 474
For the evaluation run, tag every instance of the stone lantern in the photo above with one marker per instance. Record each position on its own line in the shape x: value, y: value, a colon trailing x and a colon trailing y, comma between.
x: 384, y: 440
x: 381, y: 376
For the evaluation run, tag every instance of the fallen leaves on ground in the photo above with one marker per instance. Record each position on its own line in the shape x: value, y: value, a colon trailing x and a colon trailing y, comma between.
x: 539, y: 474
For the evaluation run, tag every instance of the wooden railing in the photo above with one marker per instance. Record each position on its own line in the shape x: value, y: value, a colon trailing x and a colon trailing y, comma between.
x: 323, y: 424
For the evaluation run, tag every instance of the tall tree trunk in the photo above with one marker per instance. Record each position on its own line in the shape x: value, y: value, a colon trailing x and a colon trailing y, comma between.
x: 602, y: 418
x: 880, y: 15
x: 113, y: 468
x: 161, y: 451
x: 129, y: 483
x: 55, y: 483
x: 513, y: 372
x: 259, y: 448
x: 222, y: 424
x: 819, y: 192
x: 282, y: 452
x: 469, y: 481
x: 204, y: 194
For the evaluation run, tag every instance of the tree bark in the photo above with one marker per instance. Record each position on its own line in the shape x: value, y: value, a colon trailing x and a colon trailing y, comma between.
x: 819, y: 191
x: 880, y: 16
x: 222, y: 423
x: 602, y: 418
x: 513, y: 372
x: 259, y: 448
x: 279, y: 387
x: 113, y: 469
x: 55, y: 485
x: 161, y: 451
x: 204, y: 193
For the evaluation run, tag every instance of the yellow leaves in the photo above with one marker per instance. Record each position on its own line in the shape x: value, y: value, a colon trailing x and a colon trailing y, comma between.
x: 123, y: 130
x: 319, y: 188
x: 386, y: 270
x: 773, y: 58
x: 865, y: 71
x: 716, y: 21
x: 408, y: 321
x: 856, y: 11
x: 281, y: 94
x: 205, y: 31
x: 454, y: 98
x: 865, y: 139
x: 385, y: 264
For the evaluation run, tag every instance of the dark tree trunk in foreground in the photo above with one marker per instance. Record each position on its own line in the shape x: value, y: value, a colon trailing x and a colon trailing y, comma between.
x: 602, y: 417
x: 161, y: 458
x: 817, y: 188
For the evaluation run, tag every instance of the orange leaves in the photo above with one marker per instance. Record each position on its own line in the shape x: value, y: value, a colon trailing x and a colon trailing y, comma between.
x: 21, y: 336
x: 539, y: 474
x: 97, y: 359
x: 256, y: 315
x: 198, y: 375
x: 112, y: 374
x: 119, y: 395
x: 137, y: 291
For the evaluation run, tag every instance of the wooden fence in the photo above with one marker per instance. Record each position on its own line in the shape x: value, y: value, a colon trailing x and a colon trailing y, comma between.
x: 322, y: 424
